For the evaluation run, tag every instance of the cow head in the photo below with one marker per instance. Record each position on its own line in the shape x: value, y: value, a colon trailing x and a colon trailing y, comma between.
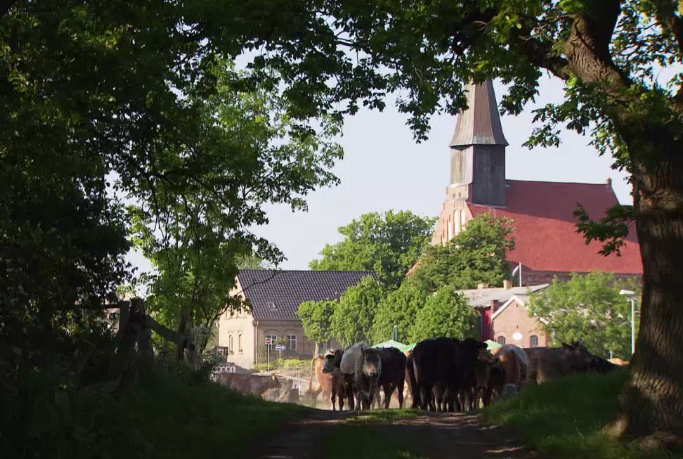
x: 332, y: 360
x: 582, y: 360
x: 372, y: 364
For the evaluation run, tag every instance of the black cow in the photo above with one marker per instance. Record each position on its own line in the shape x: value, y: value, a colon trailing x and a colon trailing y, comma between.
x: 443, y: 363
x: 392, y: 376
x: 340, y: 387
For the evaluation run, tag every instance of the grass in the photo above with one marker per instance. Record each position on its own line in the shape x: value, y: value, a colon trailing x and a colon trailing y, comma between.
x: 162, y: 418
x: 564, y: 418
x: 366, y: 437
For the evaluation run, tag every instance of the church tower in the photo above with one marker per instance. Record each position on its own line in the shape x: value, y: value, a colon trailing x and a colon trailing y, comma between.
x: 478, y: 150
x: 477, y: 162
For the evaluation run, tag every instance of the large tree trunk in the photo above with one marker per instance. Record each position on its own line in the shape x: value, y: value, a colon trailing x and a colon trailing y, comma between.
x: 652, y: 406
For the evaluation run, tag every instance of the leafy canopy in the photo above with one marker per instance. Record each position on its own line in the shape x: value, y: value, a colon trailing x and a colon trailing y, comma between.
x: 354, y: 316
x: 446, y: 313
x: 316, y: 317
x: 475, y: 255
x: 388, y: 244
x: 589, y: 308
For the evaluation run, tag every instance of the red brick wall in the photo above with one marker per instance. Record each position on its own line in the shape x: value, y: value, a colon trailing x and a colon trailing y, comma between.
x: 515, y: 318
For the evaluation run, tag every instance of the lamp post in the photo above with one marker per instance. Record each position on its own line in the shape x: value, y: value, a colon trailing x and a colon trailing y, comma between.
x: 632, y: 295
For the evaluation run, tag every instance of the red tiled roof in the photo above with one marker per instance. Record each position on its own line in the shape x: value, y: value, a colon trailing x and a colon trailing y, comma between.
x: 545, y: 229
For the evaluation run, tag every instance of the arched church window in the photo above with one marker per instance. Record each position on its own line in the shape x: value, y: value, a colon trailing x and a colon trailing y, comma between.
x: 456, y: 221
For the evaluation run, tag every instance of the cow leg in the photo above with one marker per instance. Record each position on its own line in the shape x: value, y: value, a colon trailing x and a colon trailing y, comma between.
x: 400, y: 390
x: 425, y: 396
x: 332, y: 399
x: 388, y: 392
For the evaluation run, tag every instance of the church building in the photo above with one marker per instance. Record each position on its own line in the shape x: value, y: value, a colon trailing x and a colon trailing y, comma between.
x: 547, y: 243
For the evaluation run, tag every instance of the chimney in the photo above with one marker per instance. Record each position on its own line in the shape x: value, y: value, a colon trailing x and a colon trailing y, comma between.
x: 482, y: 286
x: 609, y: 182
x: 507, y: 284
x: 494, y: 306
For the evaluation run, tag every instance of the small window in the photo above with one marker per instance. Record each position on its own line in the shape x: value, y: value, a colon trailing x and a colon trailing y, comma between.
x: 273, y: 338
x: 501, y: 340
x: 292, y: 342
x: 457, y: 222
x: 239, y: 343
x: 534, y: 341
x: 230, y: 348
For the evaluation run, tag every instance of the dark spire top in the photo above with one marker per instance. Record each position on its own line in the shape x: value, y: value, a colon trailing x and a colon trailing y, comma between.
x: 480, y: 123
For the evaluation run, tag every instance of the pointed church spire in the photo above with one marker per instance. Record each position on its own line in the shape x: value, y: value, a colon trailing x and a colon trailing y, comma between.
x: 479, y: 124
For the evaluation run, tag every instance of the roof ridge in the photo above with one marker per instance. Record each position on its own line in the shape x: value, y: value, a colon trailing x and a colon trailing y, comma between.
x: 310, y: 270
x: 562, y: 183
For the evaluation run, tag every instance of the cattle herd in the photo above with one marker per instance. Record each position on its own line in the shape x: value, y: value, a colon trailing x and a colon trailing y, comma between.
x: 443, y: 374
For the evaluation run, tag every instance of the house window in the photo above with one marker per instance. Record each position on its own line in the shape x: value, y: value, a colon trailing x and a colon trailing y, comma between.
x: 230, y: 348
x: 273, y: 338
x: 534, y: 341
x: 239, y: 343
x: 292, y: 342
x: 501, y: 340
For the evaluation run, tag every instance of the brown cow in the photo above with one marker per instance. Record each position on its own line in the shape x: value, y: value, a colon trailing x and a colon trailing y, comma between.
x: 340, y: 388
x: 473, y: 387
x: 549, y: 362
x: 324, y: 380
x: 249, y: 384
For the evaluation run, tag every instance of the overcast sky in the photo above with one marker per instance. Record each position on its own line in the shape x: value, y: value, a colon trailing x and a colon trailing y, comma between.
x: 383, y: 169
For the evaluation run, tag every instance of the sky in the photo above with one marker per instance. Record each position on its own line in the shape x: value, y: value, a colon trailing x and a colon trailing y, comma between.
x: 385, y: 169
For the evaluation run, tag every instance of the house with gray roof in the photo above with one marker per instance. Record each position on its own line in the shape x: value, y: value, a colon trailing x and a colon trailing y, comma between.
x: 275, y: 296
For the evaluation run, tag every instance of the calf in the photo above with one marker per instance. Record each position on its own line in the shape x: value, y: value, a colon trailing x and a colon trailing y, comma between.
x: 474, y: 385
x: 392, y: 376
x: 361, y: 366
x: 338, y: 387
x: 440, y: 366
x: 249, y: 384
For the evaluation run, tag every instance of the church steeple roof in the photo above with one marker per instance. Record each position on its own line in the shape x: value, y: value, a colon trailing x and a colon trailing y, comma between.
x: 479, y: 124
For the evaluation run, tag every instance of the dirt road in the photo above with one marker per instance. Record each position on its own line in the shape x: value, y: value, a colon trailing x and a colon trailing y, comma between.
x: 429, y: 435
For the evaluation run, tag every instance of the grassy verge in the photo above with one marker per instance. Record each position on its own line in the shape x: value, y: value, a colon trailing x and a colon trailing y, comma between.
x: 161, y: 418
x: 564, y: 418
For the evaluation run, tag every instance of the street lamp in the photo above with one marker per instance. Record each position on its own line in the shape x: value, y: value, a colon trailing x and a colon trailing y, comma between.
x: 632, y: 295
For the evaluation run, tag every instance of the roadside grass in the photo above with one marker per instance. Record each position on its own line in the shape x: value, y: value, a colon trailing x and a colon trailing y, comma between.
x: 162, y: 418
x: 382, y: 416
x: 564, y: 418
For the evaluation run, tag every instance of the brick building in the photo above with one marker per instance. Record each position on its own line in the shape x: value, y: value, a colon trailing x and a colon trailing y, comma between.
x: 547, y: 243
x: 505, y: 317
x: 275, y: 297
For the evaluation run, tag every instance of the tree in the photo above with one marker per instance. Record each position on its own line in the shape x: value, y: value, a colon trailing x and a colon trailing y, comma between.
x: 68, y: 97
x: 245, y: 150
x: 388, y: 244
x: 399, y: 308
x: 446, y: 313
x: 354, y: 316
x: 475, y: 255
x: 316, y: 317
x: 589, y: 308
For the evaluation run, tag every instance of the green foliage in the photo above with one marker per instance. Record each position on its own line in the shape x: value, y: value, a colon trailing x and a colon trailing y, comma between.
x: 353, y: 317
x: 567, y: 423
x: 400, y: 308
x: 445, y: 313
x: 316, y: 317
x: 388, y: 244
x: 475, y: 255
x: 167, y: 416
x: 589, y: 308
x: 243, y: 153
